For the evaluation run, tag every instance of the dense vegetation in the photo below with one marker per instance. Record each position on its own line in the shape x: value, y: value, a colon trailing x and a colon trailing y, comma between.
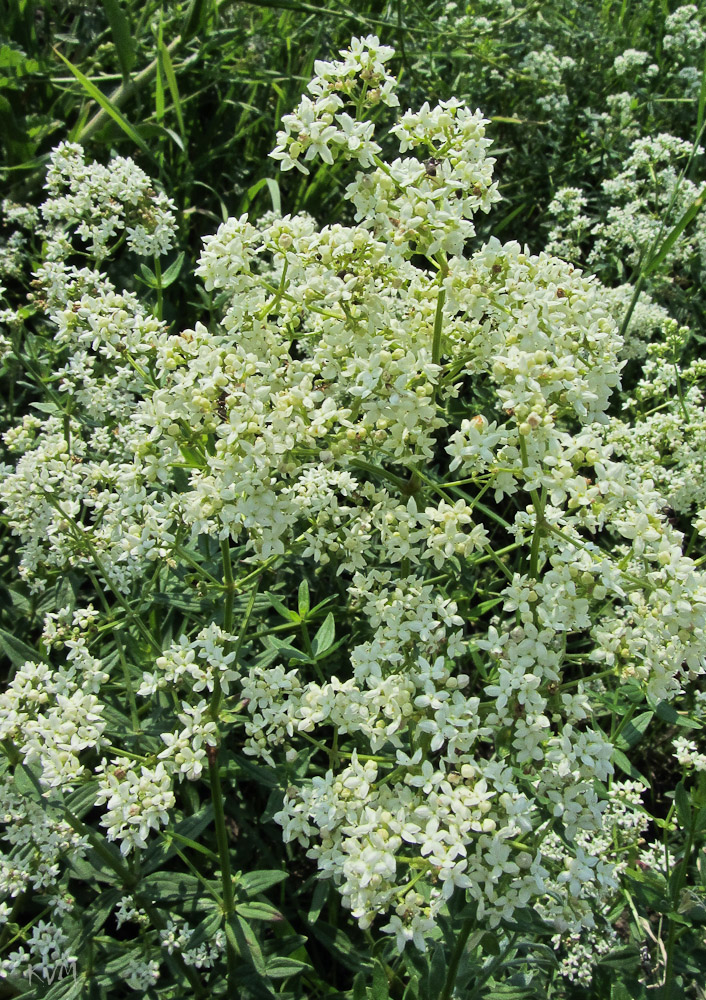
x: 353, y: 500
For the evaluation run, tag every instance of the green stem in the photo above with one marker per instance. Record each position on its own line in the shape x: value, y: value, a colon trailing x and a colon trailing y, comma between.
x: 134, y: 718
x: 228, y: 585
x: 160, y: 296
x: 183, y: 554
x: 310, y: 650
x: 438, y: 326
x: 452, y: 973
x: 224, y: 855
x: 277, y: 297
x: 539, y: 503
x: 680, y: 394
x: 381, y: 165
x: 677, y: 886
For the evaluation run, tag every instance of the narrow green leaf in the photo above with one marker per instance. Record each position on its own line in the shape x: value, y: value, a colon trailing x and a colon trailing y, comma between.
x: 205, y: 930
x: 321, y: 893
x: 176, y: 139
x: 654, y: 880
x: 191, y: 844
x: 193, y: 20
x: 291, y: 616
x: 67, y: 988
x: 148, y: 276
x: 682, y: 803
x: 688, y: 216
x: 323, y: 640
x: 246, y: 943
x: 171, y: 79
x: 668, y: 713
x: 700, y: 821
x: 436, y: 973
x: 178, y: 887
x: 258, y: 910
x: 281, y: 968
x: 159, y: 91
x: 303, y: 599
x: 634, y: 730
x: 253, y: 883
x: 106, y: 104
x: 702, y: 101
x: 621, y: 761
x: 273, y: 188
x: 189, y: 827
x: 26, y: 783
x: 173, y: 271
x: 359, y: 990
x: 94, y: 916
x: 122, y: 35
x: 83, y: 798
x: 381, y: 988
x: 17, y: 652
x: 284, y: 649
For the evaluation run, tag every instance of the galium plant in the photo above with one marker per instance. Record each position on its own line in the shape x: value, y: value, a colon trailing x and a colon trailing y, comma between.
x: 409, y: 429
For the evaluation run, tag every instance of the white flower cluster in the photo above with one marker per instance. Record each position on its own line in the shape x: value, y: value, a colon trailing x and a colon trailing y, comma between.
x: 44, y: 955
x: 137, y: 799
x: 548, y: 69
x: 100, y: 203
x: 358, y: 391
x: 321, y: 127
x: 688, y: 754
x: 193, y: 665
x: 670, y: 447
x: 632, y: 59
x: 14, y: 247
x: 636, y: 202
x: 37, y: 843
x: 175, y: 938
x: 685, y: 34
x: 74, y: 491
x: 53, y: 714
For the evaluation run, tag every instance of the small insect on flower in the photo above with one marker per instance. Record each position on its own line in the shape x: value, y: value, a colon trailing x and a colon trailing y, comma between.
x: 222, y: 408
x: 646, y: 958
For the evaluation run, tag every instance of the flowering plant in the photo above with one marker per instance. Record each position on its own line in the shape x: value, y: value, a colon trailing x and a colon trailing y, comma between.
x: 409, y: 431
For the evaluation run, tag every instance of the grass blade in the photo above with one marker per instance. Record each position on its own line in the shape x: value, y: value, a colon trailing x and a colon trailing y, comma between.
x: 106, y: 105
x: 170, y: 76
x: 688, y: 216
x: 122, y: 35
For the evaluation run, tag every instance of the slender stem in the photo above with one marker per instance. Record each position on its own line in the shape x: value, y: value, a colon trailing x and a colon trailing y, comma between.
x: 183, y: 554
x: 228, y: 585
x: 677, y: 886
x: 452, y: 973
x: 680, y: 393
x: 224, y: 855
x: 381, y: 165
x: 127, y: 753
x: 438, y: 326
x: 310, y: 651
x: 134, y: 718
x: 158, y: 276
x: 277, y: 297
